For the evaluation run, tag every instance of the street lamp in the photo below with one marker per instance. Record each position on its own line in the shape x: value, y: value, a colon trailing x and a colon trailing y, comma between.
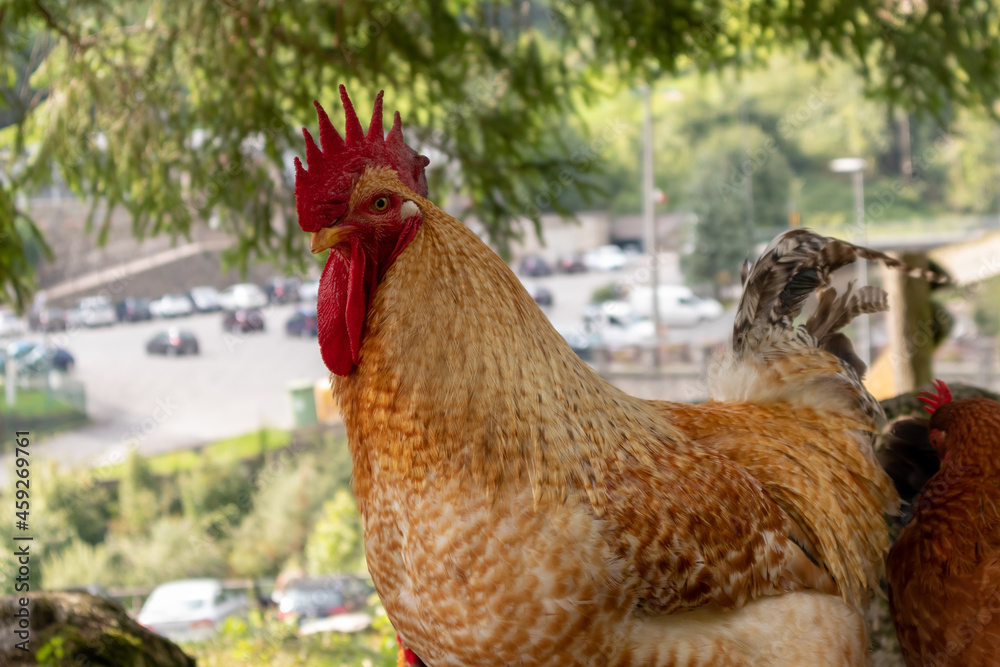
x: 856, y: 167
x: 650, y: 197
x: 649, y: 214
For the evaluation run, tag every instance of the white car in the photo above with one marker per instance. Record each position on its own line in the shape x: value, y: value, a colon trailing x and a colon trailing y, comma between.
x: 617, y: 325
x: 605, y: 258
x: 243, y: 296
x: 679, y: 306
x: 94, y: 311
x: 172, y: 305
x: 190, y: 609
x: 11, y: 325
x: 205, y: 299
x: 309, y: 291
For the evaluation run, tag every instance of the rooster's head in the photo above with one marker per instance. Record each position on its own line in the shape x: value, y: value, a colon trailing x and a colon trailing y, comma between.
x: 357, y: 198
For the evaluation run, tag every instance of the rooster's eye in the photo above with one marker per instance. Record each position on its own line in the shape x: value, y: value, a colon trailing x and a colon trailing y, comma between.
x: 380, y: 204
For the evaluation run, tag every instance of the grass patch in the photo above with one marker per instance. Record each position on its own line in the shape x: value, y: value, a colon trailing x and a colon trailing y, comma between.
x: 250, y: 444
x: 32, y: 403
x: 229, y: 450
x: 36, y: 411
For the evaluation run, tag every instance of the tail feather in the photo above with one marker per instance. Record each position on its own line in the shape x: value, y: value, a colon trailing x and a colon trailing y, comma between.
x: 792, y: 267
x: 833, y: 313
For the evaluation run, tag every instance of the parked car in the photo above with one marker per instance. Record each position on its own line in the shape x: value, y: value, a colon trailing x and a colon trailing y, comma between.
x: 243, y: 295
x: 617, y: 325
x: 172, y: 305
x: 541, y: 295
x: 94, y: 311
x: 205, y: 299
x: 17, y: 351
x: 678, y: 305
x: 243, y: 320
x: 48, y: 319
x: 322, y: 597
x: 303, y: 322
x: 20, y: 348
x: 42, y: 358
x: 309, y: 291
x: 605, y: 258
x: 131, y: 309
x: 534, y: 266
x: 190, y: 609
x: 282, y: 290
x: 172, y: 343
x: 11, y: 324
x: 572, y: 263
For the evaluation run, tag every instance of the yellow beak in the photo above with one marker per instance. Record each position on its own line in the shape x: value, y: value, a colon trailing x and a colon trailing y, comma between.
x: 326, y: 238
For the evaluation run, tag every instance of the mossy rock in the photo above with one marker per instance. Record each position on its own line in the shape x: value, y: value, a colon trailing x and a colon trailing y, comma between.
x: 81, y: 629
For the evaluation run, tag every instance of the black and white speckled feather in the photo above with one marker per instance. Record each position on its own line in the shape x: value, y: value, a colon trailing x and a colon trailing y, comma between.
x: 795, y: 265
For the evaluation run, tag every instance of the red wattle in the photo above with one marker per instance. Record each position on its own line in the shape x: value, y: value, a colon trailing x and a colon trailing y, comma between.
x: 345, y: 290
x: 341, y: 305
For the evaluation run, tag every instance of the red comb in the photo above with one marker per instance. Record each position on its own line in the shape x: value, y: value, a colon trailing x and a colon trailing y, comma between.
x: 322, y: 192
x: 931, y: 401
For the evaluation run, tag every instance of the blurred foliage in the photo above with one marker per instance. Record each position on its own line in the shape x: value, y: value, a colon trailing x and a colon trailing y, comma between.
x: 185, y: 112
x: 138, y: 501
x: 929, y: 55
x: 212, y: 487
x: 606, y: 292
x: 986, y: 311
x: 172, y: 548
x: 288, y: 499
x: 812, y: 113
x: 261, y: 641
x: 740, y: 182
x: 222, y: 519
x: 336, y: 543
x: 80, y: 564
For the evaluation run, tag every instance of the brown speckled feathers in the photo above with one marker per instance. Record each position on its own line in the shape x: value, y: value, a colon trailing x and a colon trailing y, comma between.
x: 944, y: 568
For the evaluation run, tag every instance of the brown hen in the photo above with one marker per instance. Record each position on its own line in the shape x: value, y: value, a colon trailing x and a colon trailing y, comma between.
x: 944, y: 568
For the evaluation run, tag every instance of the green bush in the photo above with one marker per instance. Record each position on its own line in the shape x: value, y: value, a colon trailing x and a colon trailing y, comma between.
x: 608, y: 292
x: 173, y: 548
x: 336, y: 544
x: 81, y: 564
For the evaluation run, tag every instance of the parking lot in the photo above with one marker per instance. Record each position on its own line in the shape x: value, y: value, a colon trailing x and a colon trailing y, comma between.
x: 237, y: 384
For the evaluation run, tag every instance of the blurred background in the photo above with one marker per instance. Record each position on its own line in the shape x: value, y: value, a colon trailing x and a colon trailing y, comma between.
x: 158, y: 300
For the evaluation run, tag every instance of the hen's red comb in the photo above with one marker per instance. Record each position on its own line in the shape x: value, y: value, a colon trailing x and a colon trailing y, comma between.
x: 931, y: 401
x: 322, y: 192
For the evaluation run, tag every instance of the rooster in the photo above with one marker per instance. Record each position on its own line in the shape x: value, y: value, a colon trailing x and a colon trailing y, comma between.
x: 944, y: 568
x: 519, y: 509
